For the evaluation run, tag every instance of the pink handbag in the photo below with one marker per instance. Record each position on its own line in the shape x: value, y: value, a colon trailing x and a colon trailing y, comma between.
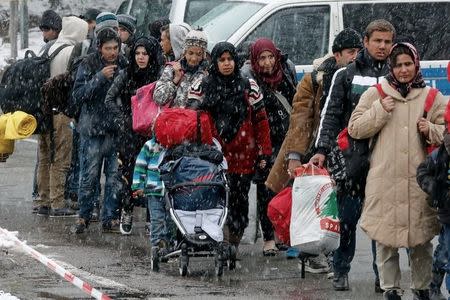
x: 145, y: 110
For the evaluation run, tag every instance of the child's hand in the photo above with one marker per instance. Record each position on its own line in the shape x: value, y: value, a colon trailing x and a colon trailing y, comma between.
x: 138, y: 193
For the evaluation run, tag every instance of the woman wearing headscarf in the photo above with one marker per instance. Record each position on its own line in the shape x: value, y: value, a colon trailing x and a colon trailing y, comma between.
x: 276, y: 76
x: 146, y: 62
x: 237, y: 111
x: 396, y: 213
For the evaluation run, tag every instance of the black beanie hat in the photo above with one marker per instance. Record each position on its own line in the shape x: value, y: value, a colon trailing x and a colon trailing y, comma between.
x: 346, y: 39
x: 91, y: 14
x: 128, y: 22
x: 51, y: 20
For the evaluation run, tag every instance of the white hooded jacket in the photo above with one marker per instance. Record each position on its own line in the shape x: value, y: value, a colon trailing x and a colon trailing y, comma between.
x: 74, y: 30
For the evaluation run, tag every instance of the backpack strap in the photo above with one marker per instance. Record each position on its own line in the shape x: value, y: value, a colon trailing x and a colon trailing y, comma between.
x: 380, y: 90
x: 429, y: 101
x: 56, y: 52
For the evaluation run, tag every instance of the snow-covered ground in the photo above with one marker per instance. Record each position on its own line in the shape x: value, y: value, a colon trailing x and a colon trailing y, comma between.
x: 7, y: 296
x: 6, y: 243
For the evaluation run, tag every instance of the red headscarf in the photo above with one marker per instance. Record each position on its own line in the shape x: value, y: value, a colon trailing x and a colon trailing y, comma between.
x: 258, y: 47
x: 447, y: 116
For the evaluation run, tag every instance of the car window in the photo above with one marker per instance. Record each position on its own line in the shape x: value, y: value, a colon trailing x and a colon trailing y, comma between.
x: 223, y: 20
x: 426, y: 25
x: 195, y: 9
x: 146, y: 12
x: 301, y: 32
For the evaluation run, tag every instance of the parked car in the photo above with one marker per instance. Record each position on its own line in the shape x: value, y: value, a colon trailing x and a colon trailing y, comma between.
x: 305, y: 29
x: 147, y: 11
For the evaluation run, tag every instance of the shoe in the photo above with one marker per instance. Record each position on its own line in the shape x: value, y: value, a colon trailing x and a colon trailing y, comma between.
x: 340, y: 283
x: 391, y: 295
x: 62, y: 212
x: 436, y: 294
x: 112, y: 226
x: 43, y: 211
x: 79, y: 227
x: 126, y: 222
x: 292, y: 253
x: 421, y: 294
x: 35, y: 206
x: 330, y: 275
x: 269, y: 248
x: 95, y: 214
x: 378, y: 289
x: 316, y: 265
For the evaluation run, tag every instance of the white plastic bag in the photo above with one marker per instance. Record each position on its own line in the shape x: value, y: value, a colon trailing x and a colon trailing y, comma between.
x: 314, y: 225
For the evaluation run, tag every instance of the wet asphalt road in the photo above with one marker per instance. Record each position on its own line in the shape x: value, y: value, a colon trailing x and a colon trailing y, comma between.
x: 120, y: 265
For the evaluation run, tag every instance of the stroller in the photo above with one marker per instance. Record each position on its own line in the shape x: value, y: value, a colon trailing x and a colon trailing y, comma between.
x: 197, y: 197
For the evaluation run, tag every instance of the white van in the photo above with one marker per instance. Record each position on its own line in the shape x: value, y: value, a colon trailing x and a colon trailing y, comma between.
x: 147, y: 11
x: 305, y: 30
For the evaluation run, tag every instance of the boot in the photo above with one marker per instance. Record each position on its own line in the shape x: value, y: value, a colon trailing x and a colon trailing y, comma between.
x: 421, y: 294
x: 391, y: 295
x: 340, y: 282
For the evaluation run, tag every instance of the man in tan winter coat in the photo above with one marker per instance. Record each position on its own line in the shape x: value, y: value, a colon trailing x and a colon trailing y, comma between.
x: 395, y: 212
x: 306, y: 106
x: 55, y: 148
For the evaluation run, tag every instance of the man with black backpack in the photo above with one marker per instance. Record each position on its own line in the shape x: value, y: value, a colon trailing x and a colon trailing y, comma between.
x: 55, y: 145
x: 347, y: 86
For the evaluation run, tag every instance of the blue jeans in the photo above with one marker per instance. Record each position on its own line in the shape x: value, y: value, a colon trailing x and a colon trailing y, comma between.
x: 94, y: 151
x: 349, y: 209
x: 440, y: 261
x: 161, y: 226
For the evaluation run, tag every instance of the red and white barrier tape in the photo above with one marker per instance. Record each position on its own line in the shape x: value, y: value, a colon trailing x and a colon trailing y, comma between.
x: 84, y: 286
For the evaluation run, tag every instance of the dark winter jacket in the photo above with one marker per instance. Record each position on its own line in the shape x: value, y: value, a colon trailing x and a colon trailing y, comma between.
x: 432, y: 179
x: 348, y: 84
x: 276, y: 113
x: 118, y: 98
x: 89, y: 93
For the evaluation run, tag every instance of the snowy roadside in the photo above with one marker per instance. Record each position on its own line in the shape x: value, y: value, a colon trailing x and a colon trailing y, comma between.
x: 7, y: 296
x: 35, y: 43
x: 6, y: 243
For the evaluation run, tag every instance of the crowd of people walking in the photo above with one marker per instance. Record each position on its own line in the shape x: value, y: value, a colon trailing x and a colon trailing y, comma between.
x: 267, y: 124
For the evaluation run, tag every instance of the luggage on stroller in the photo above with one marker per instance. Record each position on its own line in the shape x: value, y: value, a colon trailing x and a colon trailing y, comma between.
x: 197, y: 196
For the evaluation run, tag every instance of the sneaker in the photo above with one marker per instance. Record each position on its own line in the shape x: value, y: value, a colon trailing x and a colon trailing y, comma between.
x: 340, y: 283
x: 112, y: 226
x: 126, y: 222
x: 62, y: 212
x: 391, y: 295
x: 147, y: 228
x: 43, y: 211
x: 421, y: 294
x: 316, y: 265
x: 79, y: 227
x: 95, y: 214
x: 436, y: 294
x: 330, y: 275
x: 292, y: 253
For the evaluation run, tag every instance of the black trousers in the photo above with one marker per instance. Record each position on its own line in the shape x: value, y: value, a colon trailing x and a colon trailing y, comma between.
x: 237, y: 219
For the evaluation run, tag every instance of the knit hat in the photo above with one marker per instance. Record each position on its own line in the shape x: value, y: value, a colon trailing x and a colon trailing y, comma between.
x: 91, y: 14
x: 128, y: 22
x: 346, y: 39
x: 52, y: 20
x: 104, y: 20
x: 196, y: 38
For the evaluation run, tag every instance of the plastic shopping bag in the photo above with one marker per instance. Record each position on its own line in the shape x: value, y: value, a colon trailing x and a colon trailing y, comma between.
x: 279, y: 213
x: 314, y: 225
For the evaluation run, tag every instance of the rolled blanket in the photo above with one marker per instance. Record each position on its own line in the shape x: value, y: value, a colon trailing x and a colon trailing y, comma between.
x: 19, y: 125
x: 14, y: 126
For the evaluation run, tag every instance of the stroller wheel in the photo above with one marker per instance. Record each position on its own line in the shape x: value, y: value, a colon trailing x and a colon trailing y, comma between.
x: 154, y: 263
x: 218, y: 263
x: 232, y: 257
x: 184, y: 260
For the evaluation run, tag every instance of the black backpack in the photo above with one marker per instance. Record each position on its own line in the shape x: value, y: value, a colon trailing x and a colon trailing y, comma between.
x: 20, y: 87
